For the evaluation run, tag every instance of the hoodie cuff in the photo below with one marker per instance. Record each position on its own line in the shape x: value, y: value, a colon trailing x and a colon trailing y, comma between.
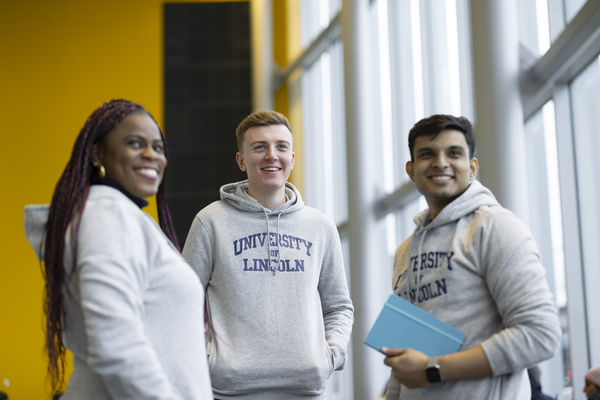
x: 338, y: 356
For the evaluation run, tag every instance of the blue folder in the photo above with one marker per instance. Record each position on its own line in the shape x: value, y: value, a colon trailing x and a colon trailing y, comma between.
x: 403, y: 325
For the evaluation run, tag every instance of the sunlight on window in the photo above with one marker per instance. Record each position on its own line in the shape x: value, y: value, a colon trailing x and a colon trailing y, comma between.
x: 385, y: 84
x: 573, y: 7
x: 453, y: 61
x: 586, y: 114
x: 323, y: 14
x: 417, y: 58
x: 328, y: 173
x: 543, y: 27
x: 392, y: 241
x: 556, y: 227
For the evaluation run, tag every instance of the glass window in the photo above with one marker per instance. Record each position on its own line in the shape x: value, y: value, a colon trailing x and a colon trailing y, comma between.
x: 534, y: 30
x: 572, y: 7
x: 323, y: 119
x: 315, y: 17
x: 586, y: 120
x: 385, y: 100
x: 405, y: 224
x: 429, y: 66
x: 406, y: 81
x: 442, y: 81
x: 542, y: 21
x: 419, y: 60
x: 545, y: 222
x: 335, y: 6
x: 324, y: 140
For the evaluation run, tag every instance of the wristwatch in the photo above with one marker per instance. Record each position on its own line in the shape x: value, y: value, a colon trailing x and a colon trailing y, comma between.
x: 433, y: 371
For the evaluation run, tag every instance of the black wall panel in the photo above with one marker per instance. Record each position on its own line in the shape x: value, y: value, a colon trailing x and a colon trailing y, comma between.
x: 207, y: 94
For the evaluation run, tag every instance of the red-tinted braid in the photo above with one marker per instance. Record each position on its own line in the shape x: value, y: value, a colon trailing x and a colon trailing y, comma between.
x: 67, y: 205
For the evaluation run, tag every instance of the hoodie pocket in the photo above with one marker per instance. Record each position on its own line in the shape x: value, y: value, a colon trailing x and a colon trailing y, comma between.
x: 323, y: 368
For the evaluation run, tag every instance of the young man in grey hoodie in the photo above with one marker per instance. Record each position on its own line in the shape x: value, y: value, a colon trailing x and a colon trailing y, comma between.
x: 274, y: 277
x: 475, y: 265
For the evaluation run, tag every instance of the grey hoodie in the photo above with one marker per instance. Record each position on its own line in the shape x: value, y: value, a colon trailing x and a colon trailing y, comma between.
x: 476, y: 266
x: 277, y: 295
x: 132, y: 322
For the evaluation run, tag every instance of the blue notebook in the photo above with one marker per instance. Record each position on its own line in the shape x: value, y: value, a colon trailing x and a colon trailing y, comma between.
x: 403, y: 325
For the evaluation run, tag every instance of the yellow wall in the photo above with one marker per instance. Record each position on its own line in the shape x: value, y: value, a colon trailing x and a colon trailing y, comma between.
x: 59, y: 60
x: 286, y: 48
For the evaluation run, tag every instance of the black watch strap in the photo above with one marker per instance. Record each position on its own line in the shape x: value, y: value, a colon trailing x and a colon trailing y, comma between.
x: 433, y: 370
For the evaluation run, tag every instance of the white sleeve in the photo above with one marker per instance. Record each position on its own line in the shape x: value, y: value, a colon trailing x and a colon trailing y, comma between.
x: 198, y: 251
x: 338, y: 312
x: 516, y: 280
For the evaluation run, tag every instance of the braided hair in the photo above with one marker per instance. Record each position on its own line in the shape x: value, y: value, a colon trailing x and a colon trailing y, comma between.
x: 67, y: 205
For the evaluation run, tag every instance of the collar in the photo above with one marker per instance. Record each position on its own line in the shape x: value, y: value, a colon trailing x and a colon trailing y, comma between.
x: 96, y: 180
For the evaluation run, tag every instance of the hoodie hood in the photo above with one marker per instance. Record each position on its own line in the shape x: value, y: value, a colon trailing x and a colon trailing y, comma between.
x: 475, y: 197
x: 236, y: 194
x: 35, y: 226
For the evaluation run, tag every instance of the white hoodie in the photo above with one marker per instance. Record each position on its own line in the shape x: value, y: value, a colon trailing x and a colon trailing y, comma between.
x: 476, y: 266
x: 132, y: 321
x: 277, y: 295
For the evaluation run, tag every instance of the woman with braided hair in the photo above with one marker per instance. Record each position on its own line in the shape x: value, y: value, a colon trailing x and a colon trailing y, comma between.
x: 118, y: 294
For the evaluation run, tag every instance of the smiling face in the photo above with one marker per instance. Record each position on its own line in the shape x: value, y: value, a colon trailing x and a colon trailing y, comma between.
x: 133, y: 155
x: 267, y: 158
x: 441, y: 168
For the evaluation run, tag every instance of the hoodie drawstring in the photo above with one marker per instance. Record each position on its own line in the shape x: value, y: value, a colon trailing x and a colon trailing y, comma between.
x: 418, y: 269
x: 271, y: 263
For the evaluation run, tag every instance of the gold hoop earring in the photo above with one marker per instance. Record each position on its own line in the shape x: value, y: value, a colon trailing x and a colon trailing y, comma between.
x: 102, y: 171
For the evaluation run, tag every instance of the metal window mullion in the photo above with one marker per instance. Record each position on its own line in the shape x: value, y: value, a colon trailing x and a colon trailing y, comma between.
x: 465, y: 60
x: 323, y: 42
x: 571, y: 52
x: 576, y: 314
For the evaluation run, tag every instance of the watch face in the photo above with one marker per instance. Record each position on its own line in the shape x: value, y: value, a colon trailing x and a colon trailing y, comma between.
x: 433, y: 374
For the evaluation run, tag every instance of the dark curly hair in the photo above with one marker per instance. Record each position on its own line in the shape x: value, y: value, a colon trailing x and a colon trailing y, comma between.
x: 434, y: 124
